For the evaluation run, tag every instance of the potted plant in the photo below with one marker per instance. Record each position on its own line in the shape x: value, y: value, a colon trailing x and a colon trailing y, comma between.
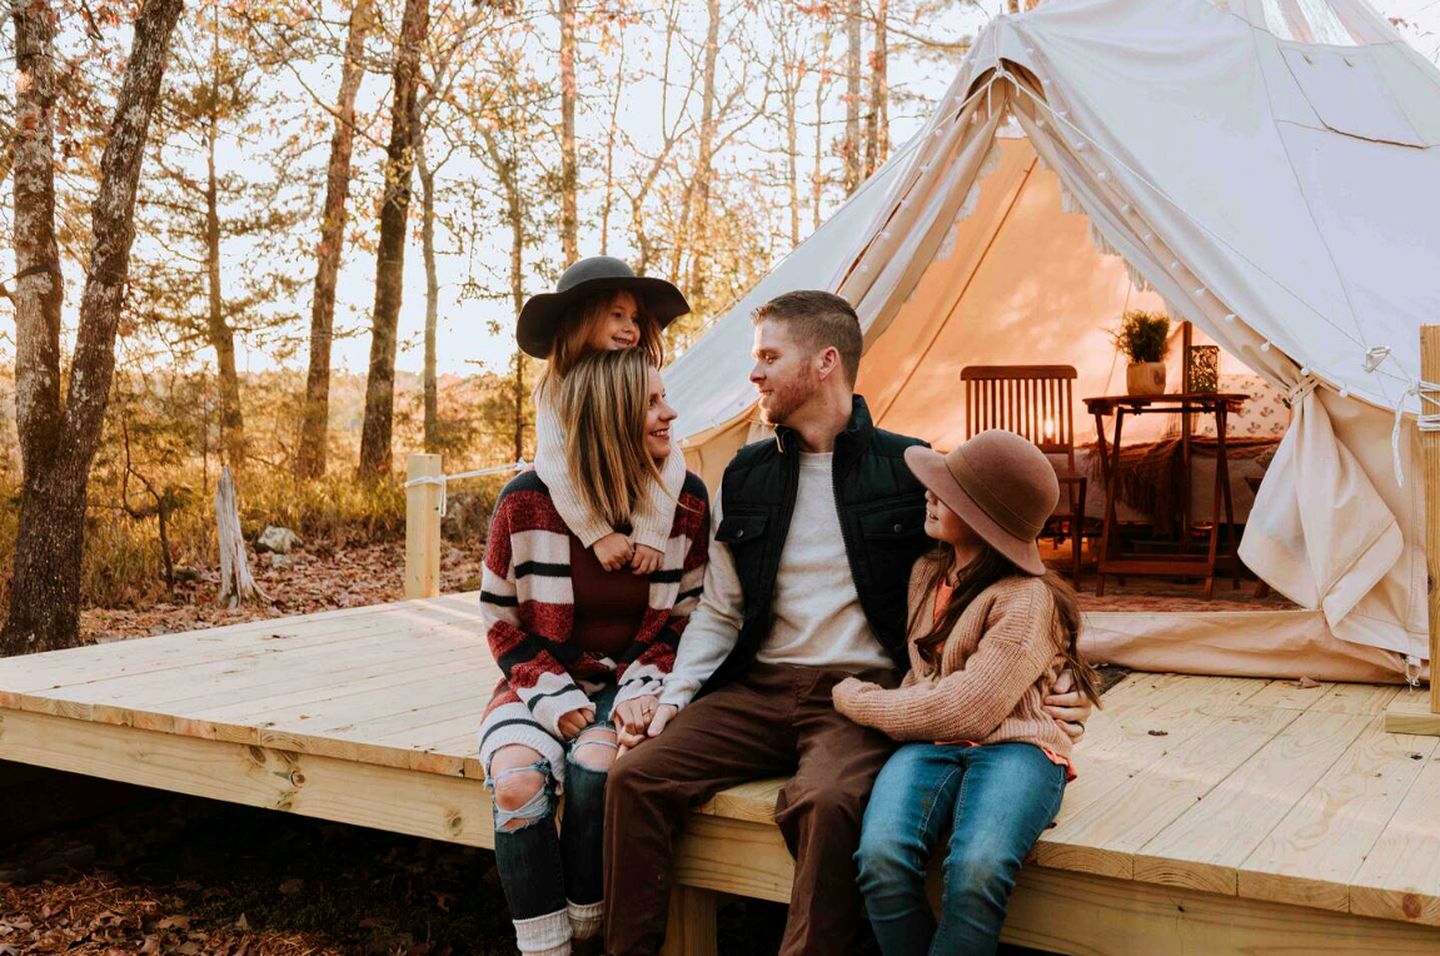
x: 1144, y: 337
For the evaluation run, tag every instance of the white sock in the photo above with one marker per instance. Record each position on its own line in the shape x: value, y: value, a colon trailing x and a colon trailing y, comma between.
x: 585, y: 918
x: 547, y: 935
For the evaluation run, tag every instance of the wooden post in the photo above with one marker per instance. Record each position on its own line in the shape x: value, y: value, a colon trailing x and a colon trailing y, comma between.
x: 422, y: 528
x: 690, y: 929
x: 1420, y: 716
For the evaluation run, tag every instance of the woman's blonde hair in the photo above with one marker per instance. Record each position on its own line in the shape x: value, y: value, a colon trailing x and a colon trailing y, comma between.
x: 602, y: 402
x: 572, y: 339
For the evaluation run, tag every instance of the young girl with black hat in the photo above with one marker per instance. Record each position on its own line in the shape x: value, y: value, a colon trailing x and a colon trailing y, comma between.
x: 600, y: 305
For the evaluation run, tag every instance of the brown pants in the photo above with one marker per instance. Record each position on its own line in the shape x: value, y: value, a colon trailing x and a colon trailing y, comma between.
x: 775, y: 721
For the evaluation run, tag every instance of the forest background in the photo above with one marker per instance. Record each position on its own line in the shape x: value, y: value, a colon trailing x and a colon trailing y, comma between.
x: 289, y: 238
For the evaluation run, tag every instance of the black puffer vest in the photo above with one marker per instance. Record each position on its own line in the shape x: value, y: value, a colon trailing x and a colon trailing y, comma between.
x: 882, y: 517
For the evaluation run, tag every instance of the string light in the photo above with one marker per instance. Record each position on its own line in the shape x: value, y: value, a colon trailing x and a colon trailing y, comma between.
x: 1147, y: 237
x: 1264, y: 346
x: 1125, y: 208
x: 1229, y: 316
x: 1304, y: 370
x: 1174, y: 265
x: 1199, y: 292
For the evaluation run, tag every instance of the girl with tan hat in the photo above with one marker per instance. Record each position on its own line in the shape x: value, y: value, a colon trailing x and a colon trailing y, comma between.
x: 983, y: 763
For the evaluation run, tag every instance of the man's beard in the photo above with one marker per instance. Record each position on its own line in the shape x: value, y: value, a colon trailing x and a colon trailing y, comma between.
x: 783, y: 403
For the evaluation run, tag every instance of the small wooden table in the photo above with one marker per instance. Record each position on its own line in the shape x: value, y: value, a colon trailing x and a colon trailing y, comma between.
x: 1219, y: 404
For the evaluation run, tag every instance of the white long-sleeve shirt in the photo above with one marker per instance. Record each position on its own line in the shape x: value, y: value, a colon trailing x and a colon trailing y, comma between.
x: 817, y: 620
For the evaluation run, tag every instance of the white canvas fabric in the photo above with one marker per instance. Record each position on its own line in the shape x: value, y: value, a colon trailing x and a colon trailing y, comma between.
x: 1265, y: 169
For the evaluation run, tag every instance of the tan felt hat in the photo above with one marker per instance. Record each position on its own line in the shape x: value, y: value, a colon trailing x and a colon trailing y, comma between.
x: 1000, y: 485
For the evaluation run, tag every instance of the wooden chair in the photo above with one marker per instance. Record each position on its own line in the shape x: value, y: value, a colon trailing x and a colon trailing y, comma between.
x: 1035, y: 402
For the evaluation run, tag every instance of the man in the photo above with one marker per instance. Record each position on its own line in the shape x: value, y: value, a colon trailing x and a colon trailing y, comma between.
x: 809, y: 567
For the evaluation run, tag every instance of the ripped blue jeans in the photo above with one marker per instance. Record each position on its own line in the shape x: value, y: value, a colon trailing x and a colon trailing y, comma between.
x: 541, y: 867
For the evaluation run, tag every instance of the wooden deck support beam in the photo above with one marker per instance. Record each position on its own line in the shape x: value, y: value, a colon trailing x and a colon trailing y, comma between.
x: 1419, y: 716
x: 422, y: 528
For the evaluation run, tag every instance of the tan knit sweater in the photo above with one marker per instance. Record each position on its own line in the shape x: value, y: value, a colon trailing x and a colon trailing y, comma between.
x: 995, y: 670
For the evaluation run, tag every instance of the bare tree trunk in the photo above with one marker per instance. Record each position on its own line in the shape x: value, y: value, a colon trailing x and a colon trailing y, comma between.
x: 432, y: 302
x: 793, y: 76
x: 569, y: 166
x: 507, y: 171
x: 57, y: 444
x: 237, y: 585
x: 851, y: 150
x: 699, y: 244
x: 311, y: 452
x: 221, y: 336
x: 608, y: 203
x: 877, y: 139
x: 375, y: 453
x: 817, y: 173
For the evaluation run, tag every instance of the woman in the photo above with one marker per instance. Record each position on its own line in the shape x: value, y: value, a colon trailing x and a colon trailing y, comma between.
x: 584, y: 651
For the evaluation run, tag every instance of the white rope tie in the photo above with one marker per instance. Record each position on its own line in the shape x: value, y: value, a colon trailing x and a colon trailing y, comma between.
x: 1412, y: 671
x: 1429, y: 393
x: 441, y: 480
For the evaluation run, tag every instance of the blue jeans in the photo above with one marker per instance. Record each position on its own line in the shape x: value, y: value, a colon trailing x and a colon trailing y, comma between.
x: 540, y: 868
x: 994, y: 801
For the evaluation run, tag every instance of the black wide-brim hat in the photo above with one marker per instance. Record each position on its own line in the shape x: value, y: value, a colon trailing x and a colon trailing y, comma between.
x: 542, y: 314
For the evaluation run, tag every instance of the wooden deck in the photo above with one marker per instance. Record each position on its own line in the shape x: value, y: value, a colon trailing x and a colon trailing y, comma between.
x: 1212, y: 815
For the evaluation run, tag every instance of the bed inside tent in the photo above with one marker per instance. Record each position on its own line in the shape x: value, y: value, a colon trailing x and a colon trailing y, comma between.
x: 990, y: 239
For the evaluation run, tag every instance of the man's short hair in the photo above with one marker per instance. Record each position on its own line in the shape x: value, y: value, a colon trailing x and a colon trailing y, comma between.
x: 819, y: 320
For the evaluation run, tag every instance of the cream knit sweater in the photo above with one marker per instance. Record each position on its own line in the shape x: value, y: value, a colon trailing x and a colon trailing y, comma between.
x: 655, y: 513
x: 994, y: 672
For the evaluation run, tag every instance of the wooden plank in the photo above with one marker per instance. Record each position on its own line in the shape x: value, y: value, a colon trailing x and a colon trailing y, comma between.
x: 734, y: 856
x: 1075, y: 913
x: 1103, y: 836
x: 426, y: 805
x: 40, y: 672
x: 753, y: 801
x: 1289, y: 695
x: 1357, y: 699
x: 1400, y: 879
x: 1412, y: 717
x: 176, y: 690
x: 690, y: 928
x: 1122, y: 741
x: 1310, y: 857
x: 1203, y: 847
x: 1430, y: 459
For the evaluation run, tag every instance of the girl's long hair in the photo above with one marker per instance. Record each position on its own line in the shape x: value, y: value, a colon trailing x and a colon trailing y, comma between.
x: 602, y: 403
x: 989, y: 567
x: 574, y: 333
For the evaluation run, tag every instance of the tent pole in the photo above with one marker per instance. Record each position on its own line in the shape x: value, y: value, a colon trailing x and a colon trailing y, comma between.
x: 1416, y: 716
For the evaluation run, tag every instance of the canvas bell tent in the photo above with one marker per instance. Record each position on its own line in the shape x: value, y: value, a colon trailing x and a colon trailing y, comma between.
x: 1268, y: 170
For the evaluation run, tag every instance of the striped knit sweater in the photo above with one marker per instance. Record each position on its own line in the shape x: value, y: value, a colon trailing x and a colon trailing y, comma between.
x: 527, y: 605
x: 994, y: 672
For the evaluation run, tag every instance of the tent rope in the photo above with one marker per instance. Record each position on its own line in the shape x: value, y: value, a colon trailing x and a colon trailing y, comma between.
x: 1428, y: 392
x: 442, y: 480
